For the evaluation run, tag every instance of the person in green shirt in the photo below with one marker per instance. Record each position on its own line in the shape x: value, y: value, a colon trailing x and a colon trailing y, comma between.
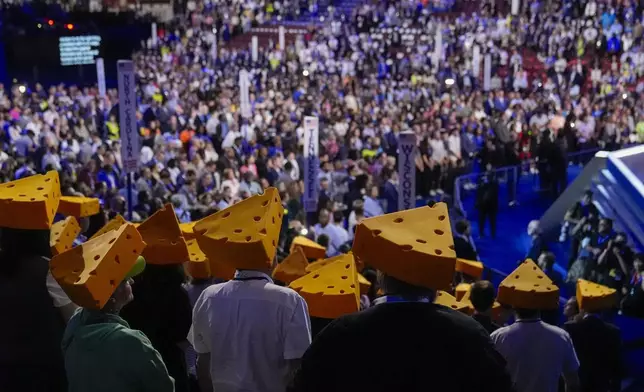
x: 102, y: 353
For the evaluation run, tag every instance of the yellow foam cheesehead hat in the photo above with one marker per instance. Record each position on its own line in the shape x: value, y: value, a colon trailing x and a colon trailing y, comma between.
x: 496, y: 307
x: 62, y: 235
x: 30, y: 203
x: 593, y: 297
x: 245, y: 234
x: 470, y: 268
x: 528, y: 287
x: 312, y: 249
x: 414, y: 246
x: 443, y: 298
x: 364, y: 283
x: 201, y: 267
x: 461, y: 289
x: 187, y: 230
x: 89, y: 273
x: 165, y: 243
x: 79, y: 207
x: 112, y: 224
x: 292, y: 267
x: 331, y: 291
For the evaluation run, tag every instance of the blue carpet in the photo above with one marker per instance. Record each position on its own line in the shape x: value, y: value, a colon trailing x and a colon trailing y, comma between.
x: 512, y: 242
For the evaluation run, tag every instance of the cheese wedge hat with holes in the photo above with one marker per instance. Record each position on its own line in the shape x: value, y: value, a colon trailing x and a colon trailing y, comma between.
x: 364, y: 283
x: 528, y: 287
x: 165, y: 242
x: 292, y: 267
x: 331, y: 291
x: 414, y: 246
x: 593, y: 297
x: 244, y: 235
x: 30, y: 203
x: 62, y: 235
x: 89, y: 273
x: 201, y: 267
x: 79, y: 207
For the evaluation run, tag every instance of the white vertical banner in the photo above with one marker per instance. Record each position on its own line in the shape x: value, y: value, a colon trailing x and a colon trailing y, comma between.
x: 406, y: 171
x: 153, y: 35
x: 311, y: 151
x: 476, y: 61
x: 487, y: 72
x: 438, y: 47
x: 255, y: 48
x: 282, y: 38
x: 130, y: 140
x: 515, y: 7
x: 100, y: 77
x: 244, y: 95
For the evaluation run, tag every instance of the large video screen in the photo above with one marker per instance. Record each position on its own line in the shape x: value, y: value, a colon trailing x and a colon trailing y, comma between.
x: 79, y: 49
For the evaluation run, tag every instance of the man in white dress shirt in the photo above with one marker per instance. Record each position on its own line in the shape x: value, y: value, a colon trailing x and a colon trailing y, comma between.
x: 537, y: 354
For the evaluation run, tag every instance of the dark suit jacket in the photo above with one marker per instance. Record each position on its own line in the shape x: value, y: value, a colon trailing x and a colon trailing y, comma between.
x: 463, y: 249
x: 598, y: 346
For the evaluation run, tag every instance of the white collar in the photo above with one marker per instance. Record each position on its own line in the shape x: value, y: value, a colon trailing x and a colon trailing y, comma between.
x: 251, y: 275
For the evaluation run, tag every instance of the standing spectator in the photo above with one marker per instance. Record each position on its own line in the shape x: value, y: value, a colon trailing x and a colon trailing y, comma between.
x: 482, y: 296
x: 487, y: 202
x: 103, y: 354
x: 161, y: 310
x: 598, y: 345
x: 538, y: 244
x: 633, y: 301
x: 406, y: 324
x: 337, y: 235
x: 463, y: 245
x: 538, y: 354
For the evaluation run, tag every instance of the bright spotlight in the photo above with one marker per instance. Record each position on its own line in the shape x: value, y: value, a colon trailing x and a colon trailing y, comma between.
x: 449, y: 82
x: 22, y: 89
x: 305, y: 72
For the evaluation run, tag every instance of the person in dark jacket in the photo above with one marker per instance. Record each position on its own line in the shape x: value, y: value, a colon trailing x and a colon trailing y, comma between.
x: 482, y: 295
x: 487, y: 201
x: 405, y: 325
x: 598, y: 346
x: 32, y: 327
x: 161, y: 310
x: 462, y: 241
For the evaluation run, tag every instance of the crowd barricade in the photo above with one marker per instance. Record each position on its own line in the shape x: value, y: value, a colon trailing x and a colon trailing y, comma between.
x: 517, y: 184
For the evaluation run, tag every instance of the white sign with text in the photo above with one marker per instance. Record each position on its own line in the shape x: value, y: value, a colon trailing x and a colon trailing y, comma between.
x: 130, y: 139
x: 311, y: 151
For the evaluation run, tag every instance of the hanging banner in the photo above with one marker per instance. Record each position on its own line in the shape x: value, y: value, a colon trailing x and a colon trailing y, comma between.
x: 153, y: 35
x: 311, y: 151
x: 244, y: 96
x: 406, y: 171
x: 282, y: 38
x: 255, y: 48
x: 476, y: 62
x: 438, y: 47
x: 130, y: 140
x: 515, y: 7
x: 487, y: 72
x: 100, y: 77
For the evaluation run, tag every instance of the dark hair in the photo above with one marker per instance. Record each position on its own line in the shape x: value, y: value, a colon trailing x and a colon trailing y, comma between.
x: 18, y: 244
x: 527, y: 313
x: 323, y: 240
x: 461, y: 226
x: 482, y: 295
x: 391, y: 285
x: 550, y: 258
